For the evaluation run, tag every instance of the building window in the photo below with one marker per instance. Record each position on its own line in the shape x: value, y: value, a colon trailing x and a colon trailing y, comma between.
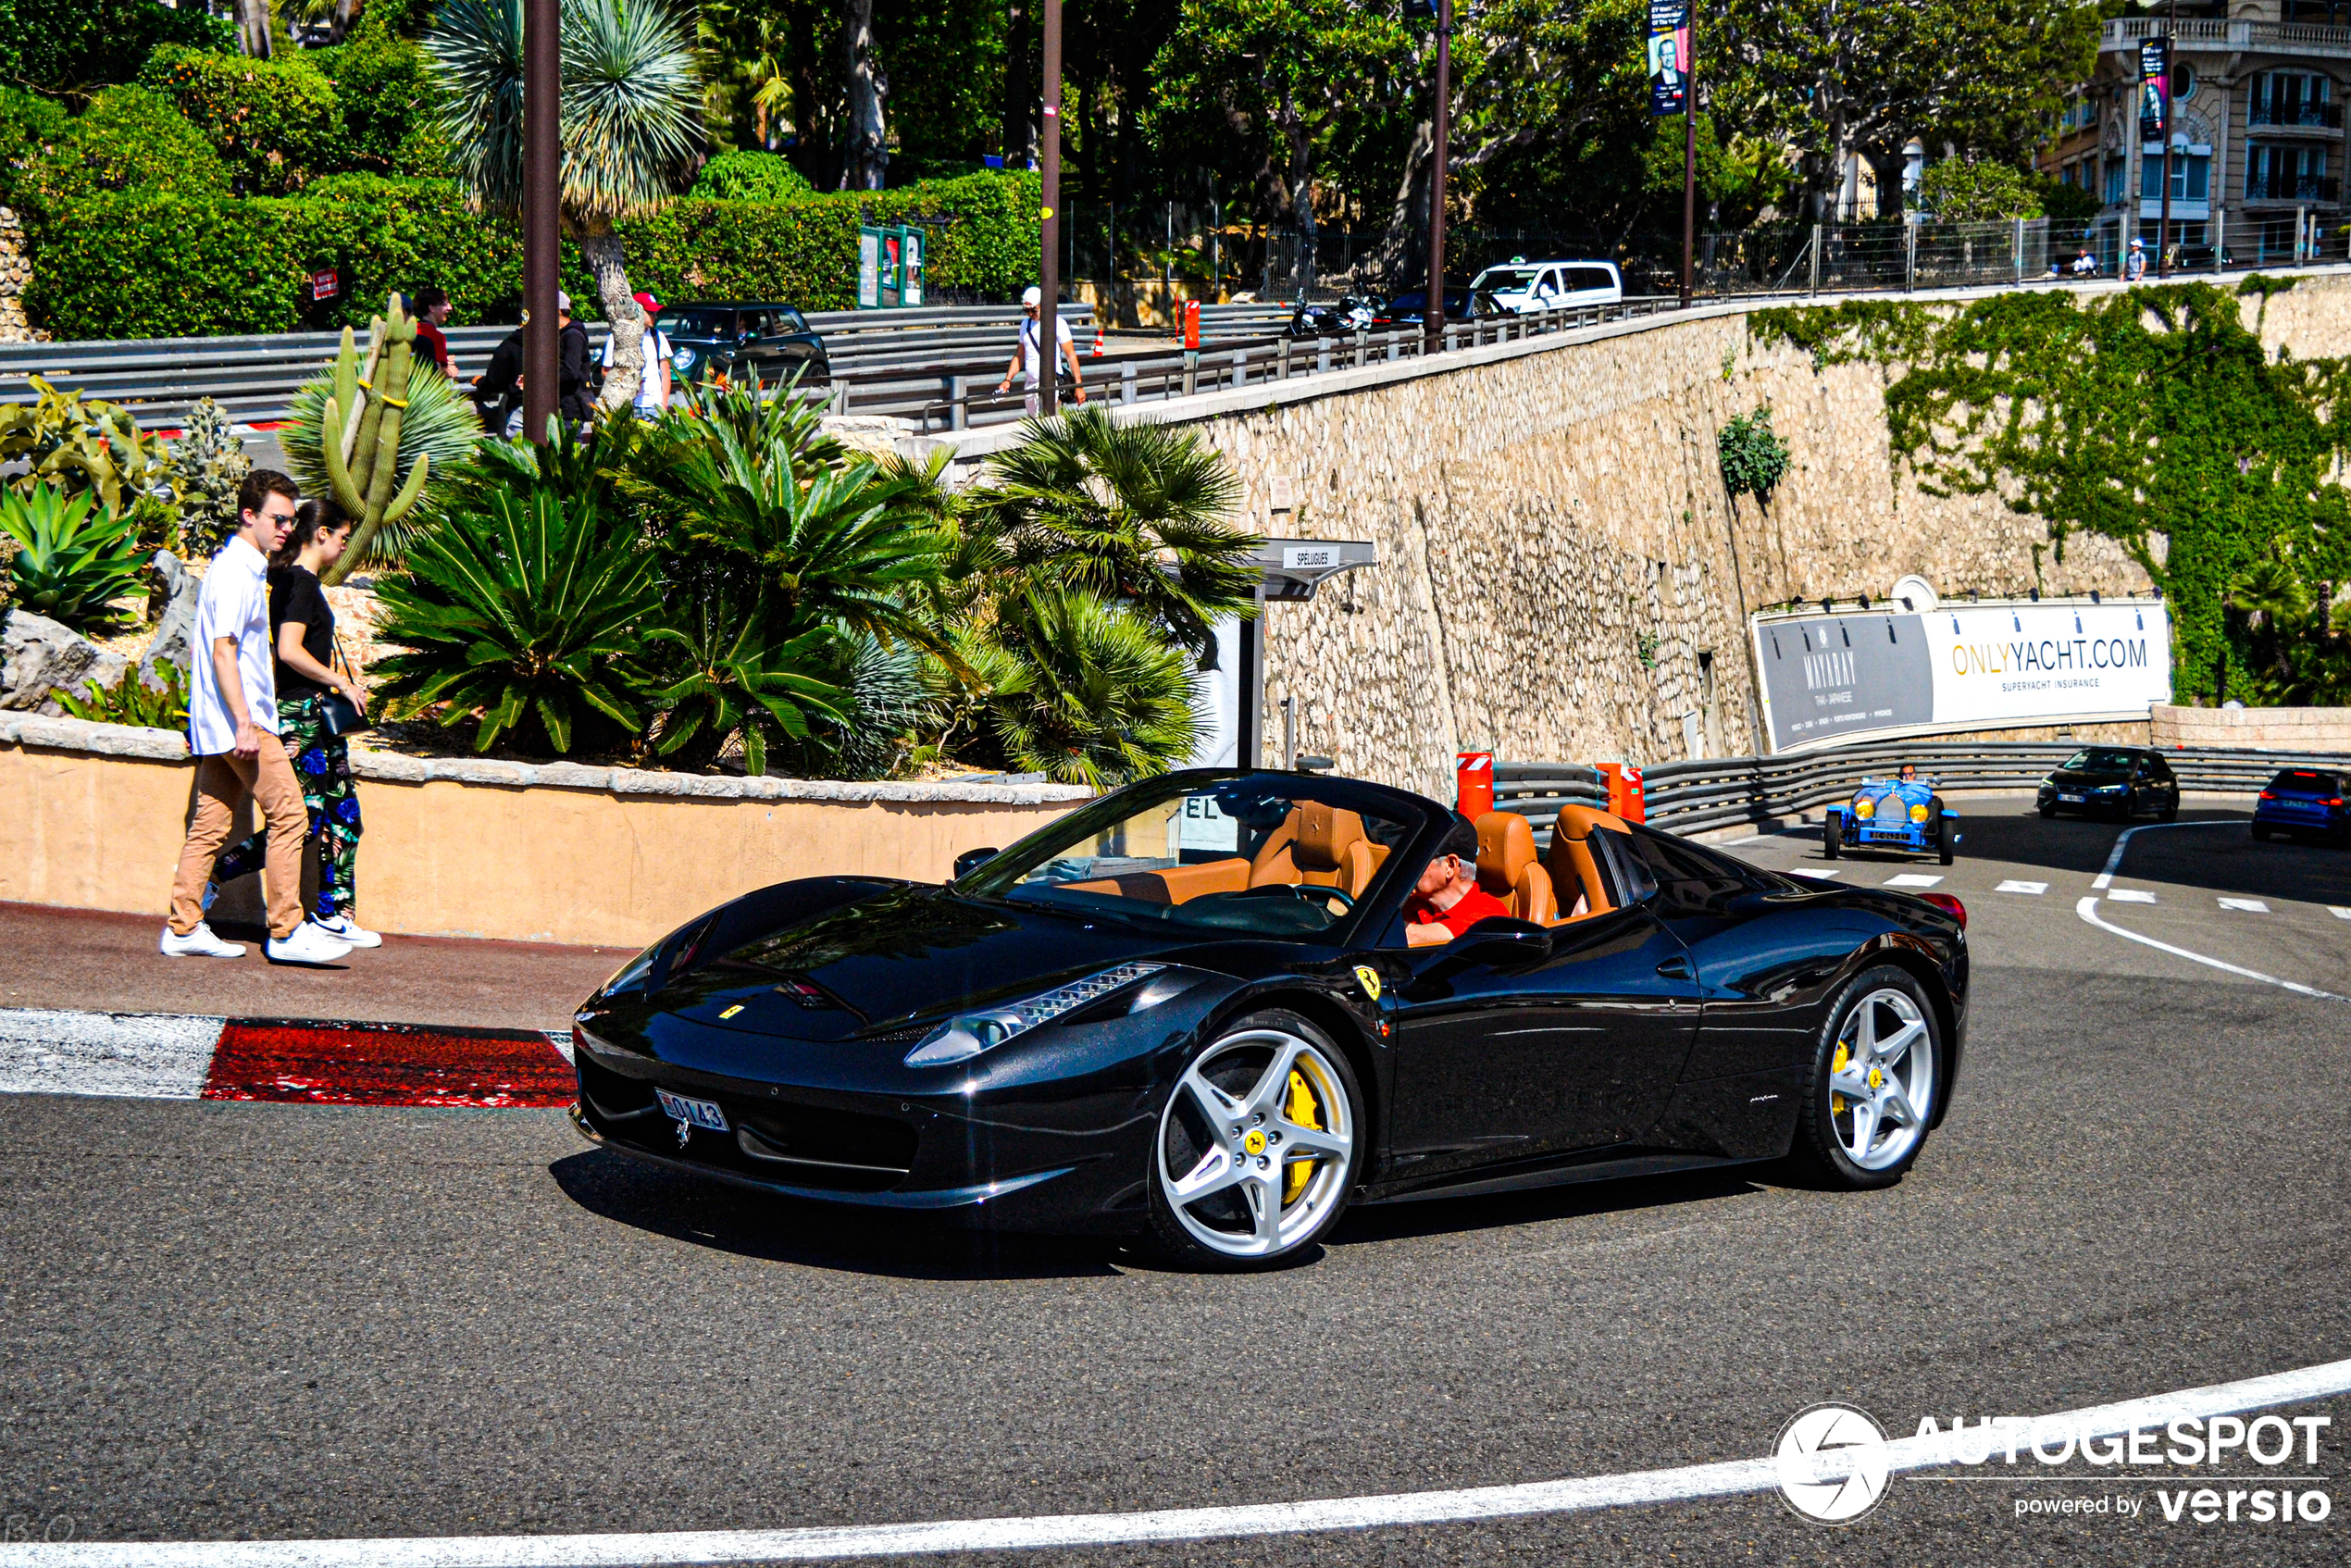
x: 2294, y: 97
x: 2113, y: 191
x: 2190, y: 177
x: 2278, y: 173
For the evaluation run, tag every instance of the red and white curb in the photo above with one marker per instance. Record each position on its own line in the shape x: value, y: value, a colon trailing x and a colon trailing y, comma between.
x: 171, y: 1056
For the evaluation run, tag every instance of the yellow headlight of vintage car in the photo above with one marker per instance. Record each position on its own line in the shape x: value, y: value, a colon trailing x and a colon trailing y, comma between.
x: 1917, y: 814
x: 1865, y: 808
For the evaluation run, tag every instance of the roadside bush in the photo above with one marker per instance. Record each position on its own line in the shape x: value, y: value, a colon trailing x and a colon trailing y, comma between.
x: 72, y: 45
x: 1081, y: 691
x: 746, y: 175
x: 129, y: 139
x: 73, y: 557
x: 149, y: 263
x: 1968, y: 190
x: 79, y: 443
x: 30, y: 126
x: 1753, y: 458
x: 389, y: 100
x: 274, y: 122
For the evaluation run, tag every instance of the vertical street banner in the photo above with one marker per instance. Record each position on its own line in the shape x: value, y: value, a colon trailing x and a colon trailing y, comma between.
x: 2155, y: 87
x: 1669, y: 56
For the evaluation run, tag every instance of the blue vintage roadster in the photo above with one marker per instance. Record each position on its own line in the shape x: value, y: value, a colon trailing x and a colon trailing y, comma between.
x: 1892, y: 813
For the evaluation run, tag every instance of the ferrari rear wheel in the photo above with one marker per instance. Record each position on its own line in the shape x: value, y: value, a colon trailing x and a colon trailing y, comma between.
x: 1870, y: 1090
x: 1258, y: 1145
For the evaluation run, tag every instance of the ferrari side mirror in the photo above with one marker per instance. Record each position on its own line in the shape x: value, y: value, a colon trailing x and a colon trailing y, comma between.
x: 1500, y: 939
x: 972, y: 860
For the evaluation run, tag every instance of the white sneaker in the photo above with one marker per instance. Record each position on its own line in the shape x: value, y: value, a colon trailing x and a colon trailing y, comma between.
x: 343, y: 929
x: 199, y: 943
x: 308, y: 944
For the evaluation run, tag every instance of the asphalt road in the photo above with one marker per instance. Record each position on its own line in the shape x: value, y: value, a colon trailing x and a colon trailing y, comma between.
x: 228, y: 1321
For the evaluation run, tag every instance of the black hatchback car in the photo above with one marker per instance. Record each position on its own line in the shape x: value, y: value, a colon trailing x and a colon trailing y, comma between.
x: 2304, y: 800
x: 720, y: 342
x: 2112, y: 782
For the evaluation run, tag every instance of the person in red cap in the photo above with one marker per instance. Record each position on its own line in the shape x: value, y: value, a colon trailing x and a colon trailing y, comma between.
x: 653, y: 386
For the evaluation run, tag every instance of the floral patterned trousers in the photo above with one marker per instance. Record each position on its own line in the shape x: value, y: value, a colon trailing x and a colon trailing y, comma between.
x: 322, y: 766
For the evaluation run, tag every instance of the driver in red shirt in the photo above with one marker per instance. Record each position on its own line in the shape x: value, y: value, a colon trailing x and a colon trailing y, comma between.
x: 1448, y: 900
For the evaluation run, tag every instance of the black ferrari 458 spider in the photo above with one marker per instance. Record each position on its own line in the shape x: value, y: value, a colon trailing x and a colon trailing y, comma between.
x: 1190, y: 1010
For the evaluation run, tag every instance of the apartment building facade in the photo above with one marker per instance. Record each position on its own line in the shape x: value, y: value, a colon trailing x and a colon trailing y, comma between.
x: 2258, y: 152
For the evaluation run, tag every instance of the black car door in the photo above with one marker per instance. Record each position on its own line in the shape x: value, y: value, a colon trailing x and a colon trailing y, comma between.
x: 1574, y: 1049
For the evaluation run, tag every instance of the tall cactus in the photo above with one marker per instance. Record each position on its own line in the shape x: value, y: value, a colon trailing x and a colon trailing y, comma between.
x: 360, y: 437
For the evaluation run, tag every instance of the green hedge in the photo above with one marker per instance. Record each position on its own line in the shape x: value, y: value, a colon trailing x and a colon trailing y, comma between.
x: 72, y: 45
x: 127, y: 137
x: 144, y: 263
x: 275, y: 122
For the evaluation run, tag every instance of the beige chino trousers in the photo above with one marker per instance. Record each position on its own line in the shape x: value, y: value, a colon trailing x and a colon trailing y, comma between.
x: 224, y: 782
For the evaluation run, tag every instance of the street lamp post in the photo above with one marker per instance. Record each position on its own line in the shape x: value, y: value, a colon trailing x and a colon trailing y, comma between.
x: 1433, y: 318
x: 541, y: 191
x: 1689, y: 153
x: 1048, y: 227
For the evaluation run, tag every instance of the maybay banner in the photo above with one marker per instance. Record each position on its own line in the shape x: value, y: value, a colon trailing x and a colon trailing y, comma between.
x: 1981, y: 666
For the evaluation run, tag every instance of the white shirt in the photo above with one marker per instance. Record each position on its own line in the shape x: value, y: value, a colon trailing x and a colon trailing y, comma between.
x: 1030, y: 338
x: 650, y: 402
x: 234, y: 601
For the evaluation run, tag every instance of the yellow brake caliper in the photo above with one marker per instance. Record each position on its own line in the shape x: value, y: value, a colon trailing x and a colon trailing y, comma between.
x: 1837, y: 1101
x: 1304, y: 1109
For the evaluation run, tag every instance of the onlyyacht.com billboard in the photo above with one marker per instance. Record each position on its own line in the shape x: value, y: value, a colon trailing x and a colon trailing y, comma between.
x: 1830, y: 677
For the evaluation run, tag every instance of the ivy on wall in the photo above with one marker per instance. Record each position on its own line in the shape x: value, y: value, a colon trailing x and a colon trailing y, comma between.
x: 2152, y: 418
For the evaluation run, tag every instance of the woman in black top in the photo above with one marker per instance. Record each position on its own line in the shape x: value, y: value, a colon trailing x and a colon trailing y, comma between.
x: 302, y: 628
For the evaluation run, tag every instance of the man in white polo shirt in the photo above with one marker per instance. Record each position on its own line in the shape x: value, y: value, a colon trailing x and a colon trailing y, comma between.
x: 232, y: 730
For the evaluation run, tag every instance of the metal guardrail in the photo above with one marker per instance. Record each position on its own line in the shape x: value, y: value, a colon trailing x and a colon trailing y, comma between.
x: 1692, y: 797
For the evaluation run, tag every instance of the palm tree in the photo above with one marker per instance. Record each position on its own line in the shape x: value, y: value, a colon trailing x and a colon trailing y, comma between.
x: 631, y: 132
x: 1137, y: 512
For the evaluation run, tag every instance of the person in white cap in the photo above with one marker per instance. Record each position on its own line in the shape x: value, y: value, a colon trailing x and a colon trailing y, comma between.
x: 1028, y: 362
x: 2136, y: 267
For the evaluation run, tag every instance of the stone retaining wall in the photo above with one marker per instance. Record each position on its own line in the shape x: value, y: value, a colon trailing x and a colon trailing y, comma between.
x: 1560, y: 575
x: 480, y: 848
x: 2325, y: 730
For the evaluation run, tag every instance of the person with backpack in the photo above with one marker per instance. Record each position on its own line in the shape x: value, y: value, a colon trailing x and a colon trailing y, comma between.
x: 1030, y: 363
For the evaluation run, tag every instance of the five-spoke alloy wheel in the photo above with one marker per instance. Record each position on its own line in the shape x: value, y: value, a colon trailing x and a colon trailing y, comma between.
x: 1258, y: 1145
x: 1870, y: 1093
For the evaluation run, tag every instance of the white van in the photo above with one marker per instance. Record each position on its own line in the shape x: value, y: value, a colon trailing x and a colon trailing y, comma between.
x: 1519, y: 288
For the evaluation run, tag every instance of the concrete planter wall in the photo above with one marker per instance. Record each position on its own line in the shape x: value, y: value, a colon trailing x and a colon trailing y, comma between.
x: 2258, y: 729
x: 459, y: 847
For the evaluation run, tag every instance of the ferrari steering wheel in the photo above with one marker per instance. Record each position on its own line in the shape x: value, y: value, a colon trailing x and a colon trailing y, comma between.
x: 1304, y: 892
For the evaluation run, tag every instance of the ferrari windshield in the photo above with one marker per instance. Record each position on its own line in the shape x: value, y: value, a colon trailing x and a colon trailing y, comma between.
x: 1274, y: 855
x: 2097, y: 759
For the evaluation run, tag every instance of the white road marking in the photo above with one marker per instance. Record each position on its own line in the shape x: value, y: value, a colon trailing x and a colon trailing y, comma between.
x: 2106, y: 878
x: 2130, y: 895
x: 1580, y: 1495
x: 1827, y: 871
x: 146, y: 1055
x: 2088, y: 910
x: 2339, y: 912
x: 1911, y: 879
x: 2012, y: 886
x: 2250, y: 906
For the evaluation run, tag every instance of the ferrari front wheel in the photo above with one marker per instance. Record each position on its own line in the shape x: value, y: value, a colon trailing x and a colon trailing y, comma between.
x: 1258, y: 1145
x: 1870, y: 1090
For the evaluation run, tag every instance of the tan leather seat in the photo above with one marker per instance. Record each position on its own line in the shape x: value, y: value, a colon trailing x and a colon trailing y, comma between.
x: 1570, y: 861
x: 1507, y: 869
x: 1319, y: 845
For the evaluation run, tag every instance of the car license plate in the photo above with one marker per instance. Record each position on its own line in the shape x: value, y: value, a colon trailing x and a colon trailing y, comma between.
x: 2075, y: 799
x: 693, y: 1113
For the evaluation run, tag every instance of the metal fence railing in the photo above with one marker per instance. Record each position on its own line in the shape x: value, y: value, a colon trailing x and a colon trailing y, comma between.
x: 1693, y: 797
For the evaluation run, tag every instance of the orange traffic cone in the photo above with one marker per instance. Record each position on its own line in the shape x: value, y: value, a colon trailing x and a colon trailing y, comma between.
x: 1098, y: 337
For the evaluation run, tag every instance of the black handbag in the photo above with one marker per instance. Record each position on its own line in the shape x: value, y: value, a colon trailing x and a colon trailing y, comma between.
x: 338, y: 714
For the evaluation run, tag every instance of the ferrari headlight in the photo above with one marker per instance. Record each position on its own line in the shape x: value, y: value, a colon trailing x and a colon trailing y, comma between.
x: 1865, y: 808
x: 968, y: 1034
x: 1917, y: 814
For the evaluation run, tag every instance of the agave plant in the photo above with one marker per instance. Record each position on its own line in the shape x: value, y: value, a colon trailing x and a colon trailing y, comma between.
x: 149, y: 697
x: 80, y: 442
x: 631, y: 130
x: 524, y: 613
x: 73, y: 557
x: 1138, y: 512
x: 739, y: 683
x: 1085, y: 692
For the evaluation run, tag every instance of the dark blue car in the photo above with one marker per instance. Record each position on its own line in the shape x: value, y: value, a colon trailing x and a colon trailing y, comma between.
x: 2303, y: 800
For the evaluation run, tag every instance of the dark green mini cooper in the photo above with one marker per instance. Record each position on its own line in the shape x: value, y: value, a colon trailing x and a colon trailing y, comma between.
x: 718, y: 342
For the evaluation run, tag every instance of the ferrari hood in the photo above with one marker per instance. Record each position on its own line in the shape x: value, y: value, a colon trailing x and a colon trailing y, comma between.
x: 900, y: 956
